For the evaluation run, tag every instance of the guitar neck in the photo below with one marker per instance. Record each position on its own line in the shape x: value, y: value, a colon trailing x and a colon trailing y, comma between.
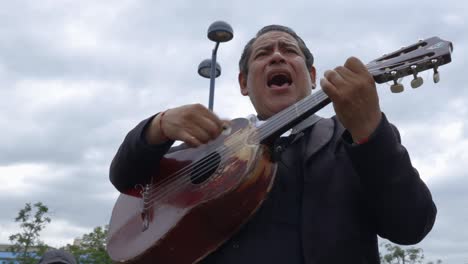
x: 421, y: 56
x: 292, y: 115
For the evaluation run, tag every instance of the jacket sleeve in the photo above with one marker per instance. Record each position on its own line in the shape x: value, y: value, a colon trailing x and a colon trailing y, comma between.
x: 136, y: 160
x: 399, y: 200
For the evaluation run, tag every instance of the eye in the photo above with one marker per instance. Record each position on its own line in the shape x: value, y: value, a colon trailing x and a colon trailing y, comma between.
x: 260, y: 54
x: 292, y: 50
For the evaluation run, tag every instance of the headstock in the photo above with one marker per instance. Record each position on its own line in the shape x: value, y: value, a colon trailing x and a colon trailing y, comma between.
x: 426, y: 54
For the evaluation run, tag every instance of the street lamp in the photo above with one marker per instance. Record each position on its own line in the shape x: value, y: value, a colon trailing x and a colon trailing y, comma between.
x: 204, y: 69
x: 219, y: 31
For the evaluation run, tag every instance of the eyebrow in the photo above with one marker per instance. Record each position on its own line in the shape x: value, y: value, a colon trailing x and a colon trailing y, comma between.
x: 265, y: 47
x: 282, y: 44
x: 290, y: 44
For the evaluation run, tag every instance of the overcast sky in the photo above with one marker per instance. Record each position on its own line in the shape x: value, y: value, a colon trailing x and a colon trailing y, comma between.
x: 76, y: 76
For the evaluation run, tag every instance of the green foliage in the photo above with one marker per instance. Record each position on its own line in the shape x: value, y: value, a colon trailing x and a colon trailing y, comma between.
x: 92, y: 247
x: 32, y: 220
x: 397, y: 255
x: 437, y: 262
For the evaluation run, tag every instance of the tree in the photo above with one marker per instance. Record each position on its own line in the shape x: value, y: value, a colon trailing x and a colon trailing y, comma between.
x: 33, y: 219
x: 397, y: 255
x: 91, y: 248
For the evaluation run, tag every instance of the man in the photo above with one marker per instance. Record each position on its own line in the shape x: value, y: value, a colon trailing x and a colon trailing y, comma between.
x: 340, y: 181
x: 57, y: 256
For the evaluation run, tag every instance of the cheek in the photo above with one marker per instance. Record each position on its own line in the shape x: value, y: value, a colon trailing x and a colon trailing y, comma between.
x: 306, y: 79
x: 255, y: 84
x: 255, y: 72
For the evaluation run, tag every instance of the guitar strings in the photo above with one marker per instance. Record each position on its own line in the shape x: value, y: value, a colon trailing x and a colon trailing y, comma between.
x: 204, y: 167
x: 195, y: 163
x: 181, y: 175
x: 211, y: 165
x: 262, y: 133
x: 266, y: 128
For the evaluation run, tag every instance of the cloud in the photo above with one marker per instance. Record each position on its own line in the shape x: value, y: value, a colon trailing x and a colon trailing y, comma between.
x: 75, y: 77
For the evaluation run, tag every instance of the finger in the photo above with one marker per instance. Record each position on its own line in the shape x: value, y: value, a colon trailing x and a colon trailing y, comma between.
x: 199, y: 110
x: 345, y: 73
x: 213, y: 128
x: 215, y: 119
x: 334, y: 77
x: 190, y: 140
x: 226, y: 124
x: 203, y: 127
x: 200, y: 134
x: 329, y: 88
x: 355, y: 65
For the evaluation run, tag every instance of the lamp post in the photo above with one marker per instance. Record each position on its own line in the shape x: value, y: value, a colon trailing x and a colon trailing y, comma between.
x: 218, y: 32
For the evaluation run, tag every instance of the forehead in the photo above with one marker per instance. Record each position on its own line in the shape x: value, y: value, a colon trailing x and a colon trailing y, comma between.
x: 273, y: 37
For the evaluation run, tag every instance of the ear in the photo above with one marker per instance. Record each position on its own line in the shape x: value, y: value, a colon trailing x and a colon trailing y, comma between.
x: 312, y: 73
x: 242, y: 78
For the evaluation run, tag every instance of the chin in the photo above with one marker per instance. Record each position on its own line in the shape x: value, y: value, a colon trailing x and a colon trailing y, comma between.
x: 279, y: 107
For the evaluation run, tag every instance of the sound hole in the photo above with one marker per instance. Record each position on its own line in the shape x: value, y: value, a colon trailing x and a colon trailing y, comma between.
x: 205, y: 167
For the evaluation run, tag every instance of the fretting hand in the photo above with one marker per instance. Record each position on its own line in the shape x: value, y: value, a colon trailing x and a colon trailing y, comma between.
x: 352, y: 90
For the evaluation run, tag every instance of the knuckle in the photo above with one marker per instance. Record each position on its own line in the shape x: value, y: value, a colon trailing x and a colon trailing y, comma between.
x: 339, y: 68
x: 211, y: 132
x: 204, y: 140
x: 352, y: 59
x: 210, y: 129
x: 199, y: 106
x: 328, y: 73
x: 192, y: 108
x: 191, y: 140
x: 215, y: 133
x: 351, y: 62
x: 325, y: 87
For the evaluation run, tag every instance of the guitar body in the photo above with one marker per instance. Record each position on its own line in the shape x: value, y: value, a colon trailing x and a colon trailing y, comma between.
x: 207, y: 201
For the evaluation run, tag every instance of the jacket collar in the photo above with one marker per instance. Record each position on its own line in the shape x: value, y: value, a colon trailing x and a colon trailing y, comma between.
x: 320, y: 134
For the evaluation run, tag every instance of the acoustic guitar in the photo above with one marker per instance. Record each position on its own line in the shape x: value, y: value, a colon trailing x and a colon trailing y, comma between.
x: 202, y: 196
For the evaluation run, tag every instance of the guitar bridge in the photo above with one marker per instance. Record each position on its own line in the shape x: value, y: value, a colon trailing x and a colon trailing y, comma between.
x: 144, y: 207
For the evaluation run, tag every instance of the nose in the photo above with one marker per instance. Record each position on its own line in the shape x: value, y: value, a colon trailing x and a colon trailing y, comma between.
x: 277, y: 57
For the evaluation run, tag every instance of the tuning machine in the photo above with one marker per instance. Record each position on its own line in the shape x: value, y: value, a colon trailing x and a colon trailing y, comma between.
x: 417, y: 81
x: 396, y: 87
x: 436, y: 76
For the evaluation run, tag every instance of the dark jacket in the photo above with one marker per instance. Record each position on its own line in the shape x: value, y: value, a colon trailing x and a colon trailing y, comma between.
x: 57, y: 256
x: 349, y: 194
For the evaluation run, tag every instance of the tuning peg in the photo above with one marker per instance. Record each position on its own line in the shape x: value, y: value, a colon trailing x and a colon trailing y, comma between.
x: 436, y: 76
x: 396, y: 87
x: 417, y: 81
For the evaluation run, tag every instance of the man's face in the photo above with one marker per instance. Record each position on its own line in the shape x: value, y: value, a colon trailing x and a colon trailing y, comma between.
x: 278, y: 75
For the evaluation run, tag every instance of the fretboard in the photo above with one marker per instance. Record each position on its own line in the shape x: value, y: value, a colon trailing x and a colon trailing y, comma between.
x: 292, y: 115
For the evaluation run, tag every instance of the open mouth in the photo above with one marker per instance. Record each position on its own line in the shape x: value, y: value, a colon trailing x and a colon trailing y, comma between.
x: 280, y: 79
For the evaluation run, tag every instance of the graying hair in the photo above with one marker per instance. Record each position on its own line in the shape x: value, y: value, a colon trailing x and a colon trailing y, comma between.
x: 243, y: 62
